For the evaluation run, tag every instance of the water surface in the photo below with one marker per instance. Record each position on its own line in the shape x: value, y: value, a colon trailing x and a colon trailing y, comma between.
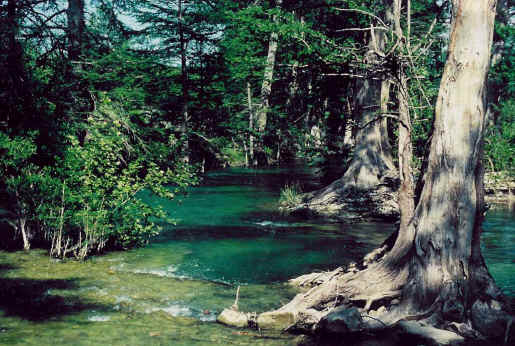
x: 228, y: 233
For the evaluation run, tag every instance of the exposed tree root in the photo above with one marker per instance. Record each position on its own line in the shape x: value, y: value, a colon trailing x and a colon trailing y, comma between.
x: 351, y: 199
x: 372, y: 299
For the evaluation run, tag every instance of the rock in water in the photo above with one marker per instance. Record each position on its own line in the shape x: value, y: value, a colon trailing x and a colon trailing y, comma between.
x: 275, y: 320
x: 342, y: 320
x: 233, y: 318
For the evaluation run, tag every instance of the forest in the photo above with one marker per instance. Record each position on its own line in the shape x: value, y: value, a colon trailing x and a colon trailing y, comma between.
x: 404, y: 108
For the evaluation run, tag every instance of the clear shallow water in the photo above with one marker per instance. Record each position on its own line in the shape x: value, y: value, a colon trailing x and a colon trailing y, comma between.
x: 498, y: 246
x: 169, y: 293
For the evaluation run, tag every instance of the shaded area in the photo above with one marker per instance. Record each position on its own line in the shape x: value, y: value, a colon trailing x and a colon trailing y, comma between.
x: 30, y: 299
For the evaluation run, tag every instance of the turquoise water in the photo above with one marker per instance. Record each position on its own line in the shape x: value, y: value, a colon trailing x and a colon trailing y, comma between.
x: 228, y: 233
x: 498, y: 246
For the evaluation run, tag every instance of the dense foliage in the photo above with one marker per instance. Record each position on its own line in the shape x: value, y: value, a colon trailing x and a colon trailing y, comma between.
x: 103, y: 99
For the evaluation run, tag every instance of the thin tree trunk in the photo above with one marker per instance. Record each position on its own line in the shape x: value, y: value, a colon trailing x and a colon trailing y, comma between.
x: 294, y: 83
x: 266, y: 91
x: 385, y: 98
x: 405, y: 152
x: 76, y: 26
x: 23, y: 224
x: 498, y: 52
x: 185, y: 83
x: 78, y: 95
x: 14, y: 72
x: 251, y: 124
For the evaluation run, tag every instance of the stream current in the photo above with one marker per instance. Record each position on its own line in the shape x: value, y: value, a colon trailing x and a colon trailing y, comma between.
x: 228, y: 233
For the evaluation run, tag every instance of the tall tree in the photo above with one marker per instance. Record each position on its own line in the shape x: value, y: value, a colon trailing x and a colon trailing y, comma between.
x: 76, y: 28
x: 183, y: 46
x: 260, y: 157
x: 14, y: 94
x: 405, y: 152
x: 174, y: 29
x: 367, y: 189
x: 433, y: 270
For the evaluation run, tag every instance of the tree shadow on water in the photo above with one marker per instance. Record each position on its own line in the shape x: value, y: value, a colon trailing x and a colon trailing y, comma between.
x: 31, y: 299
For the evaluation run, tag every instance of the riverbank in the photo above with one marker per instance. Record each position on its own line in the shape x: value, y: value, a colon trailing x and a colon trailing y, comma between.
x: 500, y: 188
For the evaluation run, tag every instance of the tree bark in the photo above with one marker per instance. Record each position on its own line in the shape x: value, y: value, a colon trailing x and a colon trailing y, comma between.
x: 367, y: 190
x: 406, y: 192
x: 266, y: 90
x: 22, y: 225
x: 184, y: 82
x: 447, y: 262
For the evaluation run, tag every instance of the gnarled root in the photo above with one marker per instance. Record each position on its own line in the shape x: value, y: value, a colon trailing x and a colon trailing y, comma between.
x: 351, y: 199
x: 374, y: 295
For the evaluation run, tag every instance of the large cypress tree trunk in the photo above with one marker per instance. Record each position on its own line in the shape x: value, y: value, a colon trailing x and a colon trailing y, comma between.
x: 446, y: 264
x: 367, y: 190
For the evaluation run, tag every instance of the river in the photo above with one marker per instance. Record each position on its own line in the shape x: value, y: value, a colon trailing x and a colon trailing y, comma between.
x: 228, y: 232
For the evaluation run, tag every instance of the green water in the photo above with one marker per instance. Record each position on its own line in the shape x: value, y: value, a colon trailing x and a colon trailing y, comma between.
x: 229, y: 233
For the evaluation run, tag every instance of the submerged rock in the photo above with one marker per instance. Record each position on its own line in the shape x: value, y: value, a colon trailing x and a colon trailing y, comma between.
x: 342, y: 320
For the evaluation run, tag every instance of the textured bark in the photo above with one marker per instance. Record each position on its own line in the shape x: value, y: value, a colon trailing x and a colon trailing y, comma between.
x: 447, y: 262
x: 432, y: 270
x: 367, y: 190
x: 405, y: 153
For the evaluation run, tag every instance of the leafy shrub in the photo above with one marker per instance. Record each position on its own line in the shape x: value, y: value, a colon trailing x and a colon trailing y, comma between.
x: 88, y: 200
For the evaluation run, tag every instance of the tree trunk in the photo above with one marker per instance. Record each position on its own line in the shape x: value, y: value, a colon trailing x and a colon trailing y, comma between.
x: 447, y: 266
x: 434, y: 270
x: 406, y: 192
x: 76, y: 26
x: 251, y: 124
x: 367, y: 190
x: 22, y: 225
x: 185, y: 84
x: 266, y: 91
x: 78, y: 98
x: 498, y: 51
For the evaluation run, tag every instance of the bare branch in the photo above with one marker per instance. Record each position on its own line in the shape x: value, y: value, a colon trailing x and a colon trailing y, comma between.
x: 362, y: 12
